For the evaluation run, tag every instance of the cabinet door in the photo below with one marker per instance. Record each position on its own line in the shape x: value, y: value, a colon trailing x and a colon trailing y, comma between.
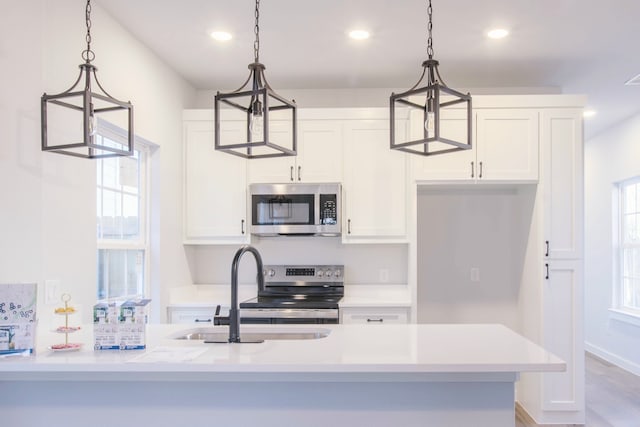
x: 444, y: 167
x: 214, y: 187
x: 563, y: 336
x: 320, y: 151
x: 374, y: 315
x: 374, y: 183
x: 507, y: 144
x: 277, y: 169
x: 197, y: 315
x: 562, y: 181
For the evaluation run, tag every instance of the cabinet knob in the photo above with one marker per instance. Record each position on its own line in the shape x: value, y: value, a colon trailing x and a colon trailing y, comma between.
x: 480, y: 174
x: 546, y: 266
x: 299, y: 170
x: 291, y: 173
x: 546, y: 252
x: 348, y: 226
x: 242, y: 226
x: 472, y: 171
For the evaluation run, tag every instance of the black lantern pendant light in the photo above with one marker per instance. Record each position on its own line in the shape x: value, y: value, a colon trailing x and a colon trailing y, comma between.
x: 86, y: 106
x: 431, y: 138
x: 269, y: 120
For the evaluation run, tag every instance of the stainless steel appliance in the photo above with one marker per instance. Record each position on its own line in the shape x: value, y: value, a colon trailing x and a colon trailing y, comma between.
x: 296, y: 294
x: 295, y: 209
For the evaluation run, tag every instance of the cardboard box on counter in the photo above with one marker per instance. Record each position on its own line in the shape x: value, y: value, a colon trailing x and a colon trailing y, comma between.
x: 120, y: 326
x: 17, y: 318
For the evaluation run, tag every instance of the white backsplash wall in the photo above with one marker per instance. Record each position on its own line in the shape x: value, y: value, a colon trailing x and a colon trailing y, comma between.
x: 471, y: 245
x: 364, y: 264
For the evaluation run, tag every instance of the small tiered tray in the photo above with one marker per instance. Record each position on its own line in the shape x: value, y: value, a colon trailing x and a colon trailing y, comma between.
x: 66, y: 329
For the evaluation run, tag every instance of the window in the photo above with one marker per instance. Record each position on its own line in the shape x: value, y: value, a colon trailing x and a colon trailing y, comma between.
x: 628, y: 293
x: 122, y: 220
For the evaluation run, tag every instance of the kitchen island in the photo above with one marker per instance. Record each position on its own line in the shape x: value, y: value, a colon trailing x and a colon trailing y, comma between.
x: 373, y: 375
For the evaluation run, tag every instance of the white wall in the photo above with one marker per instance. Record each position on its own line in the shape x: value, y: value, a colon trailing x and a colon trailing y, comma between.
x: 47, y: 220
x: 609, y: 157
x: 460, y: 228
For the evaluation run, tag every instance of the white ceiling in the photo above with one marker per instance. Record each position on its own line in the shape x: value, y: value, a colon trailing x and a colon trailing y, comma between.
x: 571, y: 46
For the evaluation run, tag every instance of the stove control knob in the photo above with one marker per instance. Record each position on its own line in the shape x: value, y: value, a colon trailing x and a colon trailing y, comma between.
x: 337, y: 273
x: 329, y: 273
x: 320, y: 273
x: 271, y: 272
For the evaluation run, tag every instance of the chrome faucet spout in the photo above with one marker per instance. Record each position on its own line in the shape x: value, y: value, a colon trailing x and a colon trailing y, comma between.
x: 234, y: 317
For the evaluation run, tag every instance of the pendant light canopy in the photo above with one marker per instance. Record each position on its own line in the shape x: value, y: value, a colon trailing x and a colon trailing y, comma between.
x: 429, y: 105
x: 69, y: 120
x: 268, y: 121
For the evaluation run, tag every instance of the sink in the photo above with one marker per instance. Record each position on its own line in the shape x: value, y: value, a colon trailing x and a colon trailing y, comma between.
x: 222, y: 335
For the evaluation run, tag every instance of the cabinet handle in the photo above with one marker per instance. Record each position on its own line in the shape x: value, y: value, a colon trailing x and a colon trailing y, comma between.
x: 299, y: 170
x: 472, y: 172
x: 546, y: 253
x: 378, y: 320
x: 348, y: 226
x: 546, y: 266
x: 202, y: 320
x: 291, y: 173
x: 480, y: 174
x: 242, y: 226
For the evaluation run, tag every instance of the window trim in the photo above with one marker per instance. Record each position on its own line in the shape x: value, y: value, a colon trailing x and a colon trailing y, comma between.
x: 619, y: 311
x: 143, y: 242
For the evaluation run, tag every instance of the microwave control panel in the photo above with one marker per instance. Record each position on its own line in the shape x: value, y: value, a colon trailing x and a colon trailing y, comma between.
x: 328, y: 209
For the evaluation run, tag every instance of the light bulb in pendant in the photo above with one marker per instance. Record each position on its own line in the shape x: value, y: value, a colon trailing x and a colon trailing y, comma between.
x: 93, y: 123
x: 257, y: 125
x: 257, y: 120
x: 430, y: 123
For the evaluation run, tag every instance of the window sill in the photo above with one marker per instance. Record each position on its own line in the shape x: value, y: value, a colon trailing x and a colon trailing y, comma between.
x: 625, y: 316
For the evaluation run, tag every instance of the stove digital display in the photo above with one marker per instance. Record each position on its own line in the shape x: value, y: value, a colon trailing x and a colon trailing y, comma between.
x: 302, y: 271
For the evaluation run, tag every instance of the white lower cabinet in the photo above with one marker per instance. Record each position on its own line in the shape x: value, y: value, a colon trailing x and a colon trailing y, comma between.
x: 194, y: 315
x: 374, y: 315
x: 562, y: 335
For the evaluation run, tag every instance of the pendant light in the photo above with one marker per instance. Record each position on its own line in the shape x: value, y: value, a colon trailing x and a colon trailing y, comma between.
x: 430, y: 138
x: 70, y: 120
x: 269, y: 121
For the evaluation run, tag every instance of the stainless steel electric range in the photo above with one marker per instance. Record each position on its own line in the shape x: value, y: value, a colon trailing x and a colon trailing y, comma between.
x: 297, y: 294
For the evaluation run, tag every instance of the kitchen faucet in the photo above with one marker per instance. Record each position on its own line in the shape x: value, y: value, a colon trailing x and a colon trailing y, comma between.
x: 234, y: 317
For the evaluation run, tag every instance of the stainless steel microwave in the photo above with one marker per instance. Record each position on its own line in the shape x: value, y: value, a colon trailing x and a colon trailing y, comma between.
x: 295, y: 209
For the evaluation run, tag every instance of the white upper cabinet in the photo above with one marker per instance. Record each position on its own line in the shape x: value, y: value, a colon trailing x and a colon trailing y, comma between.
x: 375, y: 184
x: 215, y: 184
x: 319, y: 156
x: 562, y: 182
x: 505, y: 147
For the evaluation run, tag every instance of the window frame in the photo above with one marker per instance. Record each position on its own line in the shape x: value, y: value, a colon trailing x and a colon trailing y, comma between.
x: 144, y: 148
x: 619, y: 307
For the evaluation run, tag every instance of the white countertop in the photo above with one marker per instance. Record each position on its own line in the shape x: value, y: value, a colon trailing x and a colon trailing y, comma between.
x: 402, y: 352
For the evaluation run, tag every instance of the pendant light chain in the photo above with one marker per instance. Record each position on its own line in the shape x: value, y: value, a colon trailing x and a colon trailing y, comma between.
x: 430, y: 28
x: 256, y: 30
x: 88, y: 54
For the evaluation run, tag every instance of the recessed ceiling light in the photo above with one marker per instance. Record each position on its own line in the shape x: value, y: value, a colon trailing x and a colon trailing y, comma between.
x: 221, y: 36
x: 498, y: 33
x: 359, y: 34
x: 588, y: 113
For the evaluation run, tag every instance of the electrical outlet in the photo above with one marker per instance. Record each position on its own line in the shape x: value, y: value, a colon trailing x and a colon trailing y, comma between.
x: 383, y: 275
x: 474, y: 274
x: 51, y: 292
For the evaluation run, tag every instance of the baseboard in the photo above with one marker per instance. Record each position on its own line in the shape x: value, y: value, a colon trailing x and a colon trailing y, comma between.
x: 523, y: 415
x: 620, y: 362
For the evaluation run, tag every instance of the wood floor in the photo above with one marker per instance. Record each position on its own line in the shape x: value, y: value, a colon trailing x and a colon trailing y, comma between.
x: 612, y: 394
